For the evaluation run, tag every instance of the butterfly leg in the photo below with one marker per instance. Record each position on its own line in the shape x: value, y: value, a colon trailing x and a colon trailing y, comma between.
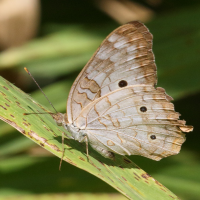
x: 63, y: 151
x: 86, y: 142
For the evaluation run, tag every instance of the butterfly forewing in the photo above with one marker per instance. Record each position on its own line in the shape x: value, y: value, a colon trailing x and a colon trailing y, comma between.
x: 125, y: 55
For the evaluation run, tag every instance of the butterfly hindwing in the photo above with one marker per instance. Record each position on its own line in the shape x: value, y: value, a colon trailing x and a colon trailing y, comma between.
x: 138, y: 120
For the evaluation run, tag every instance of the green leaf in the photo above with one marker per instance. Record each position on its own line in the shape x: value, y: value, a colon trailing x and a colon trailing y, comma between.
x: 71, y: 196
x: 122, y: 174
x: 73, y: 41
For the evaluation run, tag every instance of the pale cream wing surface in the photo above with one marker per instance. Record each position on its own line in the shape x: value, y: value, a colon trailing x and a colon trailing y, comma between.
x: 126, y: 56
x: 135, y: 120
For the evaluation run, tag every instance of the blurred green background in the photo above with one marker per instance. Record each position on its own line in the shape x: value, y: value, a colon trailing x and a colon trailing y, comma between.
x: 58, y: 40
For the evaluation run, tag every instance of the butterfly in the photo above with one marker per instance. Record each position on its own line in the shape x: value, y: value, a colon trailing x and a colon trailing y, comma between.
x: 114, y: 106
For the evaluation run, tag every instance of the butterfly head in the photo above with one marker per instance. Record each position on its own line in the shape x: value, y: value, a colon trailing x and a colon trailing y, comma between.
x: 59, y: 118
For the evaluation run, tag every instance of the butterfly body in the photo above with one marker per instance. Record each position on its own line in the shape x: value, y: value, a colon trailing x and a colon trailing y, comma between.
x: 81, y: 135
x: 76, y: 133
x: 114, y: 105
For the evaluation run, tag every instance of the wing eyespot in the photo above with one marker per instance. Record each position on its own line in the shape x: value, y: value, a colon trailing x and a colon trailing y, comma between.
x: 122, y: 83
x: 153, y: 137
x: 143, y: 109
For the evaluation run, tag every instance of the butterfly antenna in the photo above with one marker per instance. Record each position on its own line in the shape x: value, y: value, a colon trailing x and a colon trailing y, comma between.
x: 39, y: 88
x: 37, y: 113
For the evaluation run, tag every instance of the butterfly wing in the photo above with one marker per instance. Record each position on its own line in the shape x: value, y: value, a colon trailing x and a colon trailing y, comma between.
x: 135, y: 120
x: 125, y: 55
x: 114, y: 99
